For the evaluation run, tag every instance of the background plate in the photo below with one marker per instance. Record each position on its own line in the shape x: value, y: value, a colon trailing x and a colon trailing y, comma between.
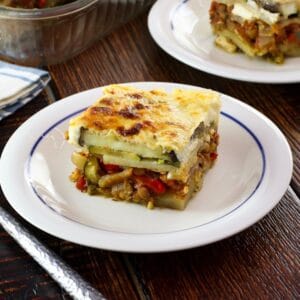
x: 182, y: 29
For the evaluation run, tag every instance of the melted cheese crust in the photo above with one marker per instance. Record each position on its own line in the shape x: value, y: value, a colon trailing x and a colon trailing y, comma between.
x: 154, y: 119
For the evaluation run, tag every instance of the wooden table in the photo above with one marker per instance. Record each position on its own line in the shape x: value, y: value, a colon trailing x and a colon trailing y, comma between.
x: 261, y: 262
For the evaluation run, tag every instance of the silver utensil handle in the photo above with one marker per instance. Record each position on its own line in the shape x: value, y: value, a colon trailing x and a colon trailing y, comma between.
x: 67, y: 278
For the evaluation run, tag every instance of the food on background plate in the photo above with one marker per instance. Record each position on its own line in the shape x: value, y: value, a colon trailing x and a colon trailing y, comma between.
x: 148, y: 147
x: 265, y: 28
x: 29, y: 4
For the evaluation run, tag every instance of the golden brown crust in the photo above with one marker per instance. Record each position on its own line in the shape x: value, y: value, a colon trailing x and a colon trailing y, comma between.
x: 127, y: 115
x: 153, y: 118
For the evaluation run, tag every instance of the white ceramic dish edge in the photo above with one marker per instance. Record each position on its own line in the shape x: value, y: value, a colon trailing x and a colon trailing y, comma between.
x: 144, y: 243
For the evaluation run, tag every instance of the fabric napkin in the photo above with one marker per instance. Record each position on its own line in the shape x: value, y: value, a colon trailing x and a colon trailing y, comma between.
x: 18, y: 86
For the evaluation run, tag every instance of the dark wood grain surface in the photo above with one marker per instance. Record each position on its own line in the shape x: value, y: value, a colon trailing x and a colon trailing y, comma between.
x: 261, y: 262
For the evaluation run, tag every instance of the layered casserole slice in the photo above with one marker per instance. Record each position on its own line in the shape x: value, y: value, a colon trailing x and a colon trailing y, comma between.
x: 148, y: 147
x: 265, y: 28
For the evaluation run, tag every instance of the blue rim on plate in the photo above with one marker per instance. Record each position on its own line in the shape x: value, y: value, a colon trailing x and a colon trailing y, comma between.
x: 273, y: 167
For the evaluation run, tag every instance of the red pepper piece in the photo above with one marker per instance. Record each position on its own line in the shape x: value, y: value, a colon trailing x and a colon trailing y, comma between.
x: 213, y: 156
x: 292, y: 38
x: 110, y: 168
x: 42, y: 3
x: 81, y: 183
x: 154, y: 184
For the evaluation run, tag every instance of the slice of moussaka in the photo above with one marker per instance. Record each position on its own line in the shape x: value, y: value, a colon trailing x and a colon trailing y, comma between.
x: 265, y: 28
x: 148, y: 147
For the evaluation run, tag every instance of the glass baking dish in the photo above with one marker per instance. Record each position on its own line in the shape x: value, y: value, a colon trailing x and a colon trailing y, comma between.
x: 38, y: 37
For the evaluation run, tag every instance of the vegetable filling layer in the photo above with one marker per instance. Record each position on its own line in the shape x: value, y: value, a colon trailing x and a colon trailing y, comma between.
x: 95, y: 176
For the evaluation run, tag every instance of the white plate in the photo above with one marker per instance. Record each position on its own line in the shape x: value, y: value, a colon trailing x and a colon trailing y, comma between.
x: 249, y: 178
x: 182, y: 29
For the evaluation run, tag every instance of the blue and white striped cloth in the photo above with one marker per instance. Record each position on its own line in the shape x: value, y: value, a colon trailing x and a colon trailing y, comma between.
x: 18, y: 86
